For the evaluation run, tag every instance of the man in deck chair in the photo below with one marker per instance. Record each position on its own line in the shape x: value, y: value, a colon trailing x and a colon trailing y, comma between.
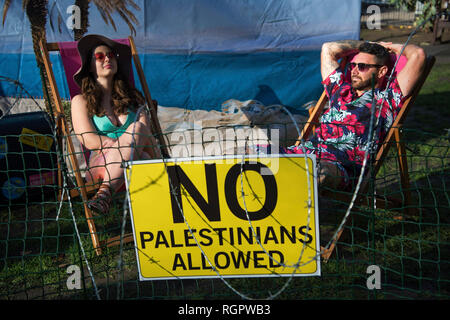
x: 341, y: 138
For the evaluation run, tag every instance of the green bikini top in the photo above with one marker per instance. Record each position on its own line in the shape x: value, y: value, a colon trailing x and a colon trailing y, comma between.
x: 105, y: 127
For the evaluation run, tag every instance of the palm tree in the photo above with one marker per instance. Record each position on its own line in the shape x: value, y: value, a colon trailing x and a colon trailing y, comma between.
x: 37, y: 13
x: 106, y: 9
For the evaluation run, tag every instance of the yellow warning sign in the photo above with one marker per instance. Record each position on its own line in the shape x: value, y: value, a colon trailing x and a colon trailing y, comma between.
x: 228, y: 217
x: 35, y: 139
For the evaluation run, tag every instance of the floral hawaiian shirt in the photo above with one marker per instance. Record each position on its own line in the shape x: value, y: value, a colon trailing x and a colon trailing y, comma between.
x: 343, y: 134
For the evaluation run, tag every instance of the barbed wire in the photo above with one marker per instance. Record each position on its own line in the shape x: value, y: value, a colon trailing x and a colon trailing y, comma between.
x: 127, y: 201
x: 309, y: 206
x: 171, y: 187
x: 369, y: 149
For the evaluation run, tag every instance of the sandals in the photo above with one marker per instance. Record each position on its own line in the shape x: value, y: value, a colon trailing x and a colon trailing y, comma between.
x: 101, y: 202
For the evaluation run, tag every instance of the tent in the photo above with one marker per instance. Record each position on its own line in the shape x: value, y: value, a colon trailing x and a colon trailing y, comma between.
x: 197, y: 54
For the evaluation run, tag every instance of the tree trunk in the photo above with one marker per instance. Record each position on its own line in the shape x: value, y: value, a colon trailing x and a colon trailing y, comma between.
x: 37, y: 12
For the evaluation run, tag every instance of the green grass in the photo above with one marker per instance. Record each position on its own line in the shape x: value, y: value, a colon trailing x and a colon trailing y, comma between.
x: 430, y: 112
x: 38, y: 249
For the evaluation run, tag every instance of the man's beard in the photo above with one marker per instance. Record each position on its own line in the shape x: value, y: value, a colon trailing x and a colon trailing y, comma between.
x: 358, y: 84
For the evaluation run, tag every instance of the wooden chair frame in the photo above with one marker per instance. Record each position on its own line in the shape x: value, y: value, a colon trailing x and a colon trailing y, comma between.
x: 394, y: 136
x: 64, y: 131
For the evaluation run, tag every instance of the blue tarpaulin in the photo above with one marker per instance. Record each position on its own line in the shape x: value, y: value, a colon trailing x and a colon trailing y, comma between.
x: 197, y: 54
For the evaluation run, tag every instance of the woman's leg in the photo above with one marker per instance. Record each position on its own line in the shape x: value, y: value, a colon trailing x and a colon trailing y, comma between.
x: 145, y: 142
x: 105, y: 165
x: 112, y: 157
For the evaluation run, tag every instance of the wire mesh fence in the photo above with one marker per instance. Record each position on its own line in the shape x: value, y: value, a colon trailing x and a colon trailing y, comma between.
x: 47, y: 252
x: 45, y: 240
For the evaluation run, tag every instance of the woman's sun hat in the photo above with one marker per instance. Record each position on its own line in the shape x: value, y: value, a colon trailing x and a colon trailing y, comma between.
x: 86, y: 46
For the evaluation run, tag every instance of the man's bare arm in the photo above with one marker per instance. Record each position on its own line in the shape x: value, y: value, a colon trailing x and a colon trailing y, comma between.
x: 408, y: 77
x: 333, y: 51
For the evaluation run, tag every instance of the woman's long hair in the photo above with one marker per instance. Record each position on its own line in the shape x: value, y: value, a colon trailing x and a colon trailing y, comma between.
x: 123, y: 96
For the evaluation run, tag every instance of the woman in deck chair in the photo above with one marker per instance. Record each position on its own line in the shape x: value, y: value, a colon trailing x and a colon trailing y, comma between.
x: 104, y: 116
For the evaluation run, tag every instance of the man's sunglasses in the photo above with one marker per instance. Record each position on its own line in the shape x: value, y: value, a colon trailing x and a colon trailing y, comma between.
x: 363, y: 67
x: 100, y: 56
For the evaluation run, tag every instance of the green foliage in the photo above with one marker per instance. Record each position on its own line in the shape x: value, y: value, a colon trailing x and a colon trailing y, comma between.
x: 430, y: 8
x: 407, y: 4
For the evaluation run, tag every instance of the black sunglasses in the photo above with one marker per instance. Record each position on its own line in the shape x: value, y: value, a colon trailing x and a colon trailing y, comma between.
x: 363, y: 67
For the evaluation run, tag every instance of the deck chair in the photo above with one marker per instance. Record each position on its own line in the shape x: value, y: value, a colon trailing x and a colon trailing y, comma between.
x: 71, y: 62
x: 393, y: 137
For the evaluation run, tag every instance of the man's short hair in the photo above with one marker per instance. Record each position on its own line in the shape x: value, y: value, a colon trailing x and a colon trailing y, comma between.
x: 381, y: 54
